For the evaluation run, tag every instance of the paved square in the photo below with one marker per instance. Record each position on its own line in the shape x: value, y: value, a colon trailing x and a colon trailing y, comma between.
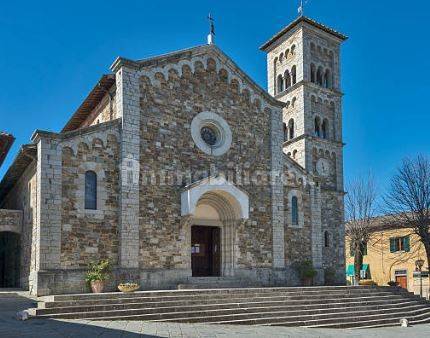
x: 11, y: 328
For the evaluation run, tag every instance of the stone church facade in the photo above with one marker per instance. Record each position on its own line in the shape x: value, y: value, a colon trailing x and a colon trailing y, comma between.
x: 181, y: 166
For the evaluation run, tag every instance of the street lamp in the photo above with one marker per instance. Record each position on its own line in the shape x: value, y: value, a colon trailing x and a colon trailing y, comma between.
x: 419, y: 264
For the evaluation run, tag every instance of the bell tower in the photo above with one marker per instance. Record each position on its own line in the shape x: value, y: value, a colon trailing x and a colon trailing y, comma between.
x: 303, y: 66
x: 303, y: 62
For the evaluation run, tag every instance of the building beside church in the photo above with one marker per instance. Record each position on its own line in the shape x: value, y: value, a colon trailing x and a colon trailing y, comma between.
x: 392, y: 254
x: 181, y: 166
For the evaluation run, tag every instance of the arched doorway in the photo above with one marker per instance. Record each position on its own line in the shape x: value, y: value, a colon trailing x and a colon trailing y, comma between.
x: 9, y: 259
x: 215, y: 209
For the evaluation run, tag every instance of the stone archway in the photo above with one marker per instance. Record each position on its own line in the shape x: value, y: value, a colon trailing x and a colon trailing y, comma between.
x: 215, y: 203
x: 9, y: 259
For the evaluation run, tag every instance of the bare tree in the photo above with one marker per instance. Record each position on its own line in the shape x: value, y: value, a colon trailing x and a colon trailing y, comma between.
x: 360, y: 207
x: 408, y: 199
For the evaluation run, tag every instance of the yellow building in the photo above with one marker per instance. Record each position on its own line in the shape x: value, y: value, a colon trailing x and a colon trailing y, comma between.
x: 391, y: 255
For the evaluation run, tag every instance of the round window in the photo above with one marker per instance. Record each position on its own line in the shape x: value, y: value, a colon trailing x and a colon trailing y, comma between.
x: 210, y: 135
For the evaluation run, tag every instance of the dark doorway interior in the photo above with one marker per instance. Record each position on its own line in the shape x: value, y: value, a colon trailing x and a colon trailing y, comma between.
x: 205, y: 251
x: 9, y: 260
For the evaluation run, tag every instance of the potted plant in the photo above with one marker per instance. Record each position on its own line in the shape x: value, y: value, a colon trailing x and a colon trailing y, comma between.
x: 306, y: 272
x: 329, y: 276
x: 392, y: 283
x: 128, y: 287
x: 96, y: 275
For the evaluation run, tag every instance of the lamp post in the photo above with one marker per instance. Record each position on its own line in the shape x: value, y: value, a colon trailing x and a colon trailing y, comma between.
x: 419, y: 264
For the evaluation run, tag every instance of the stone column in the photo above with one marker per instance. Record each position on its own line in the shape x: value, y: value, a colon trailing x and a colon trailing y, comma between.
x: 277, y: 188
x: 317, y: 238
x: 49, y: 205
x: 128, y: 96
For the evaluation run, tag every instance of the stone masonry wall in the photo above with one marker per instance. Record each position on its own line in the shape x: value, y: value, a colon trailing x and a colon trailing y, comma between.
x: 89, y: 235
x: 168, y: 105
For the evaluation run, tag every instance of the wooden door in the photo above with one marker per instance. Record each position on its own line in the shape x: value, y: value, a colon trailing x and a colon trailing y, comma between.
x: 402, y: 281
x: 205, y: 251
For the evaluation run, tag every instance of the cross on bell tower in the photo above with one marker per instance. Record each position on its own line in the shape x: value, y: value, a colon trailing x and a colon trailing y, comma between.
x: 211, y: 35
x: 301, y: 8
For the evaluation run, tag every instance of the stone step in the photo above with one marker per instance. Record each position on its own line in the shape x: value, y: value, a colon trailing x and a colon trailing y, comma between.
x: 319, y: 306
x: 276, y: 319
x: 227, y: 304
x: 213, y: 295
x: 327, y: 298
x: 231, y: 309
x: 273, y: 318
x: 296, y: 290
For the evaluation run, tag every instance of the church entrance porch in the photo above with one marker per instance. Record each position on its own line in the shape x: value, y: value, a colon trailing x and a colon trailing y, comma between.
x: 9, y: 259
x: 214, y: 208
x: 205, y: 251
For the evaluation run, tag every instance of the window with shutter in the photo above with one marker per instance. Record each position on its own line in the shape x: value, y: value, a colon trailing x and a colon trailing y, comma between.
x: 406, y: 244
x: 393, y: 245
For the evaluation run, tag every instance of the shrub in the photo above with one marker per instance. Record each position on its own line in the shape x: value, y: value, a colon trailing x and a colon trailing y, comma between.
x: 98, y: 271
x: 306, y: 270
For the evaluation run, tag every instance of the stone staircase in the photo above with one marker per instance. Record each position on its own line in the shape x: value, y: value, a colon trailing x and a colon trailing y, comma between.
x: 193, y: 283
x: 335, y: 307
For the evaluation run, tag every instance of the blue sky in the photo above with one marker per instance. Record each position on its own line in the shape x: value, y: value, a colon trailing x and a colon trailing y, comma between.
x: 51, y: 55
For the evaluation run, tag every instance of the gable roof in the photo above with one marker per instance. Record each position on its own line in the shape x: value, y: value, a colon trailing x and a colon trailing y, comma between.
x: 6, y: 141
x: 211, y: 50
x: 300, y: 20
x: 91, y: 101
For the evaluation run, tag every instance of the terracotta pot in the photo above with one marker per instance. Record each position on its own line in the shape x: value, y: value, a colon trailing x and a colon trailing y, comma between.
x: 97, y: 286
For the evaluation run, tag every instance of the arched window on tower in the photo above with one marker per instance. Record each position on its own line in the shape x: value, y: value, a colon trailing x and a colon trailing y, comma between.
x: 294, y: 75
x: 326, y: 239
x: 280, y: 85
x: 285, y: 132
x: 313, y: 73
x: 294, y: 211
x: 324, y: 129
x: 90, y: 190
x: 327, y: 79
x: 291, y: 129
x: 320, y: 76
x: 317, y: 127
x: 287, y: 77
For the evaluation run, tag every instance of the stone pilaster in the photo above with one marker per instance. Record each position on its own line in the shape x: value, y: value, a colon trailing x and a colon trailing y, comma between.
x: 127, y: 84
x: 317, y: 238
x: 48, y: 221
x: 277, y: 165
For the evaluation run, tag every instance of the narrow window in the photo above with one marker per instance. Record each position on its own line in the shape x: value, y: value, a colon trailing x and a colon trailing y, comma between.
x: 317, y: 127
x: 324, y: 129
x: 291, y: 128
x: 287, y: 77
x: 313, y: 73
x: 294, y: 211
x: 320, y: 76
x: 327, y: 79
x: 326, y: 239
x: 294, y: 74
x: 280, y: 84
x: 90, y: 190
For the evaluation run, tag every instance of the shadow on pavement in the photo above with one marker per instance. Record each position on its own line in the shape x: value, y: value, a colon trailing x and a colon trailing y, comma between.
x: 11, y: 327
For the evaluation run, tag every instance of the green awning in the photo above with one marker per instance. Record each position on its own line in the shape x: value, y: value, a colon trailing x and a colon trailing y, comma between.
x: 350, y: 269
